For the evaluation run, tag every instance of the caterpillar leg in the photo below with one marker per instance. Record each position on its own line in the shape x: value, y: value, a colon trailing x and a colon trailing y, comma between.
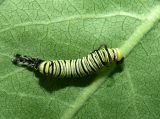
x: 27, y: 61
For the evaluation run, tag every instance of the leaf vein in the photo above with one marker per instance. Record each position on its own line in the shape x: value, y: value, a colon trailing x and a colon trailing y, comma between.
x: 75, y: 17
x: 23, y: 95
x: 10, y: 74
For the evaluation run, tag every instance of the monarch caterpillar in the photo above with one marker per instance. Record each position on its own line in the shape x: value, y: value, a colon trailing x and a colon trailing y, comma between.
x: 72, y: 68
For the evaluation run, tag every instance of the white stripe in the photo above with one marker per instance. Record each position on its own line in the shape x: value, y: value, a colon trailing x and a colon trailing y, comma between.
x: 61, y: 67
x: 84, y: 65
x: 77, y: 63
x: 54, y: 67
x: 73, y: 70
x: 71, y: 67
x: 95, y: 59
x: 91, y: 63
x: 101, y: 56
x: 67, y: 67
x: 115, y: 51
x: 106, y: 54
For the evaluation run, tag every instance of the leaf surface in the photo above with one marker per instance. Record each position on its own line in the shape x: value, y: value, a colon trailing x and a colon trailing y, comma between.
x: 72, y: 28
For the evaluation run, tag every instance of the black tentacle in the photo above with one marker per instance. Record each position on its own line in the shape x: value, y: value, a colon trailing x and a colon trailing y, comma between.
x: 30, y: 62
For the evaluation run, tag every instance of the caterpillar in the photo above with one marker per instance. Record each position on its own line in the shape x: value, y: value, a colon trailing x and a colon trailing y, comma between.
x: 87, y: 65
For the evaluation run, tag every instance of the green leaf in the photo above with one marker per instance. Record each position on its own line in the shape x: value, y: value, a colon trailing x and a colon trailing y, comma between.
x: 70, y: 29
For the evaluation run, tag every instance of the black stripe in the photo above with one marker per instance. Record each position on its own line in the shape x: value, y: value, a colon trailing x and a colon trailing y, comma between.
x: 65, y: 69
x: 44, y: 67
x: 49, y: 67
x: 59, y: 68
x: 109, y: 56
x: 76, y: 68
x: 52, y: 68
x: 83, y: 67
x: 90, y: 65
x: 104, y: 54
x: 114, y: 54
x: 100, y: 57
x: 94, y: 60
x: 71, y: 68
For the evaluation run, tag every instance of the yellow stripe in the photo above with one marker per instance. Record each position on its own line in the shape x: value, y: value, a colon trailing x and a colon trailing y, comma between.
x: 68, y: 72
x: 80, y: 67
x: 111, y: 53
x: 119, y: 54
x: 47, y: 67
x: 87, y: 65
x: 73, y: 68
x: 63, y: 72
x: 57, y: 68
x: 92, y: 61
x: 102, y: 55
x: 41, y: 66
x: 50, y: 68
x: 105, y: 55
x: 97, y: 57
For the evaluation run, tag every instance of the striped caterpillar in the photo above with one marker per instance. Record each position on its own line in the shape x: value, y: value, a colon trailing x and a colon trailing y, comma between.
x: 87, y: 65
